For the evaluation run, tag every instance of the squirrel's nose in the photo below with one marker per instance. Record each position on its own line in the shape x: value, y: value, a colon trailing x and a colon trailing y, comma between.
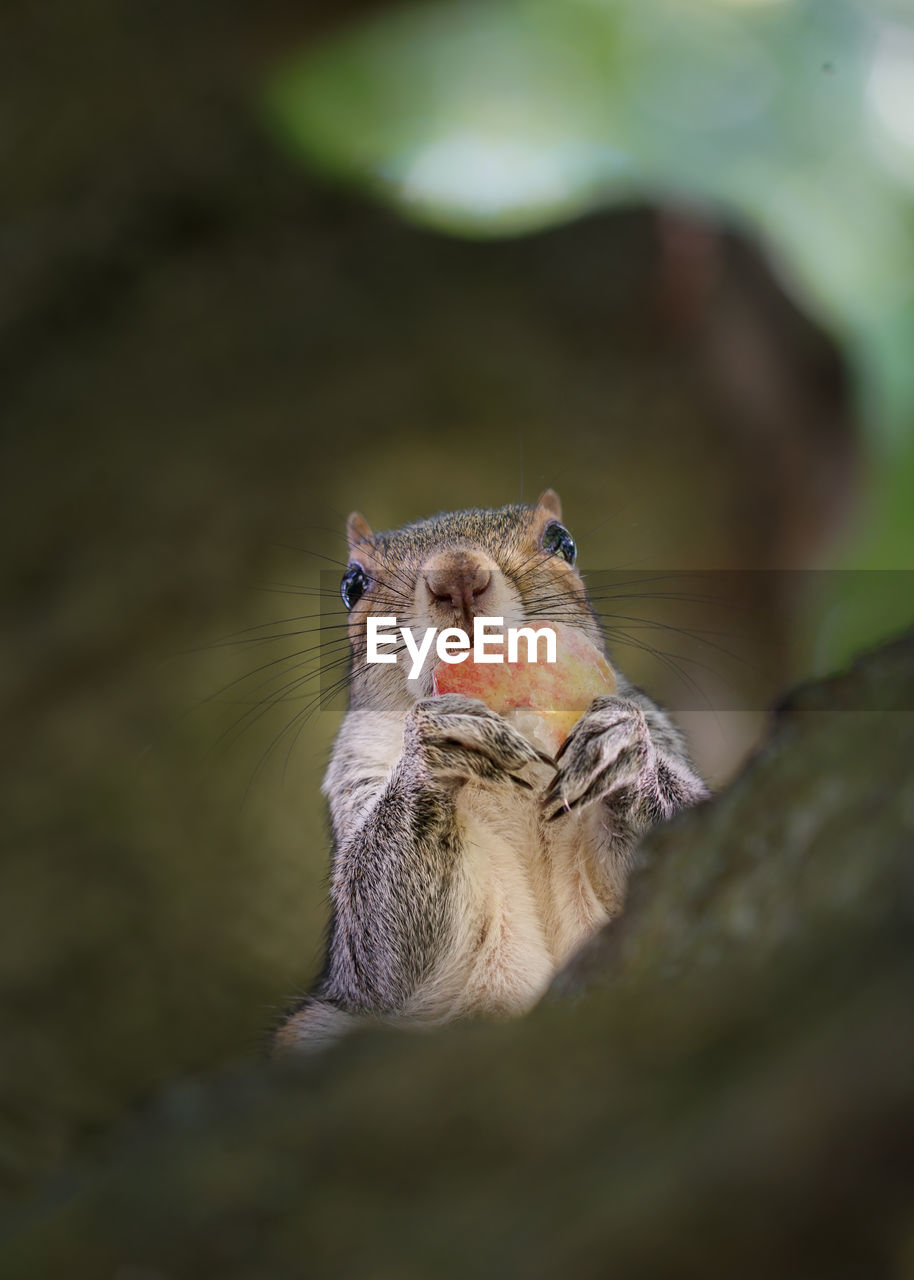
x: 462, y: 585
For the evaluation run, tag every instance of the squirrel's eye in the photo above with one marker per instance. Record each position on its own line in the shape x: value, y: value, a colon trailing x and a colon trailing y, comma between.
x: 354, y: 585
x: 559, y: 541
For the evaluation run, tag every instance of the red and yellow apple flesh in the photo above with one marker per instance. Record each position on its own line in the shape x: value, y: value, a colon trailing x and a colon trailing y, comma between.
x: 543, y: 700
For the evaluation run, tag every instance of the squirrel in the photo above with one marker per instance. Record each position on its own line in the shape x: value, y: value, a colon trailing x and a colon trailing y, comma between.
x: 458, y: 886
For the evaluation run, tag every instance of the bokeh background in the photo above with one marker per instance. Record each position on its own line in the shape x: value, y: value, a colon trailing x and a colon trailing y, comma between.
x: 266, y: 264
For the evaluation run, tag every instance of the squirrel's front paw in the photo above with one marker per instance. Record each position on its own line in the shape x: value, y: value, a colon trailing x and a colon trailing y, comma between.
x: 458, y: 738
x: 608, y: 755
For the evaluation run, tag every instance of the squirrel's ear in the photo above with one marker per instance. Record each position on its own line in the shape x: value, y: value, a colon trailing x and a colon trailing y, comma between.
x: 357, y: 530
x: 551, y: 502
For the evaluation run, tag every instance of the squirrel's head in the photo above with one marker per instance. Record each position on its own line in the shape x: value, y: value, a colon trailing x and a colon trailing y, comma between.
x: 514, y: 562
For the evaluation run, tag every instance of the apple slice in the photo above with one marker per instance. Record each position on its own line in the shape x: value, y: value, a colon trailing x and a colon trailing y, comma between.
x: 543, y: 700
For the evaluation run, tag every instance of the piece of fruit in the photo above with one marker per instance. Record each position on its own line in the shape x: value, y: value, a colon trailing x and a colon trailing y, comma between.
x: 543, y: 700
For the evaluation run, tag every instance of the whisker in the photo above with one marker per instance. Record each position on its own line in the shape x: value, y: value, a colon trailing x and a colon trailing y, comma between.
x: 266, y: 639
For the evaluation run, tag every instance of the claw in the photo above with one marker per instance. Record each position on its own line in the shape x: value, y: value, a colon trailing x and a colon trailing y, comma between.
x: 565, y: 807
x: 551, y: 794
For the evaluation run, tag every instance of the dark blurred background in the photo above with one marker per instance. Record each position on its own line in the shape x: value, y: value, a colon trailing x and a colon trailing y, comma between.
x: 263, y: 264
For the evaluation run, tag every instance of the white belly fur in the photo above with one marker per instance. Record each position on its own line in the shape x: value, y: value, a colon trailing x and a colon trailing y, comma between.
x: 526, y: 895
x: 531, y: 900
